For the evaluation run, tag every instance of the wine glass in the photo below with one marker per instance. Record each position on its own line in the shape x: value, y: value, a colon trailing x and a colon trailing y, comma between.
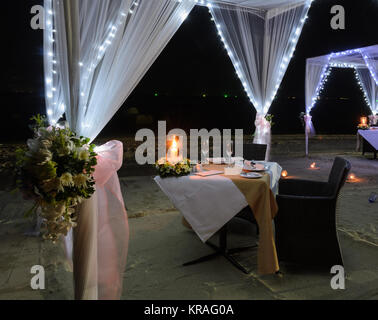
x: 205, y: 149
x: 229, y: 151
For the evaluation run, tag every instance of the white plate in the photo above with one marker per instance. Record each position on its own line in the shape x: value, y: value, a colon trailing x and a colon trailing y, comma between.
x: 256, y: 168
x: 251, y: 175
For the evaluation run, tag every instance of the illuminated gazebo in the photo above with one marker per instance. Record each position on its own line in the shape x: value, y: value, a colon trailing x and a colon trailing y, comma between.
x: 364, y: 61
x: 97, y: 51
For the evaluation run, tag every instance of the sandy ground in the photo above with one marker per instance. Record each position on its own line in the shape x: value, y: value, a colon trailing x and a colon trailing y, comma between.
x: 159, y: 244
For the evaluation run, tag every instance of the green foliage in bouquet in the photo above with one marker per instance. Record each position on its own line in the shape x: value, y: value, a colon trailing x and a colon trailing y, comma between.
x: 363, y: 127
x: 168, y: 169
x: 55, y: 170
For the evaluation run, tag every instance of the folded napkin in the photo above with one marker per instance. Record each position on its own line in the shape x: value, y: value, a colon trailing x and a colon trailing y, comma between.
x: 233, y: 171
x: 208, y: 173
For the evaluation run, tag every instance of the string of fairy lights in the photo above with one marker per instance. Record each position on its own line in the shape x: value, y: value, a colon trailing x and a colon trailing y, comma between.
x: 88, y: 68
x: 326, y: 71
x: 362, y: 86
x: 50, y: 62
x: 372, y: 73
x: 283, y: 64
x: 54, y: 114
x: 51, y: 92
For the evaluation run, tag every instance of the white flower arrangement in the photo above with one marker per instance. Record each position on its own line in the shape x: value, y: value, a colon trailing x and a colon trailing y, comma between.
x: 56, y: 171
x: 169, y: 169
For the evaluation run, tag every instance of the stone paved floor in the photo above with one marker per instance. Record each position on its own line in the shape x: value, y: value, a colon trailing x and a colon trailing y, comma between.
x: 159, y: 244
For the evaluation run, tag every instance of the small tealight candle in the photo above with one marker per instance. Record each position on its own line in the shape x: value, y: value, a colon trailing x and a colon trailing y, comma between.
x: 284, y: 174
x: 352, y: 176
x: 313, y: 166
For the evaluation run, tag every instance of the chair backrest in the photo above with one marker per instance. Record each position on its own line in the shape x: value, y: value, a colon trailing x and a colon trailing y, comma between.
x: 338, y: 175
x: 254, y: 151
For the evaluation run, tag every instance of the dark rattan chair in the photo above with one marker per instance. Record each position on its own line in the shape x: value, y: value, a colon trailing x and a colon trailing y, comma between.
x: 254, y: 151
x: 306, y: 222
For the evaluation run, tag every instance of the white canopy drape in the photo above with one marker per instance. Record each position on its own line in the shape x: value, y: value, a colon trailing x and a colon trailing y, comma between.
x: 260, y: 41
x: 96, y: 52
x: 101, y: 50
x: 365, y: 63
x: 316, y: 75
x: 370, y: 88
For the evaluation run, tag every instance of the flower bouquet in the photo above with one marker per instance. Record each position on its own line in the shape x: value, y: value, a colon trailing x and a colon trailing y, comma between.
x: 363, y: 126
x: 169, y: 169
x: 55, y: 170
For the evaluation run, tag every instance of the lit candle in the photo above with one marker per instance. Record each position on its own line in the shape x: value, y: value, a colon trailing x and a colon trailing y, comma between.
x: 173, y: 154
x: 284, y: 174
x: 363, y: 120
x: 313, y: 166
x: 174, y: 148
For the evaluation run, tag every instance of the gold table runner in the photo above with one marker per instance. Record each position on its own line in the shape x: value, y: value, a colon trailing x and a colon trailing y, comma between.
x: 260, y: 198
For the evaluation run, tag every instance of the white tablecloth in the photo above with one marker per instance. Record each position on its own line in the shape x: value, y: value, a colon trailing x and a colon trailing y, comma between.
x: 370, y: 136
x: 209, y: 203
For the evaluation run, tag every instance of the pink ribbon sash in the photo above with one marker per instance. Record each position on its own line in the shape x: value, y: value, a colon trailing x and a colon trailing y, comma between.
x: 100, y: 241
x: 263, y: 133
x: 310, y: 130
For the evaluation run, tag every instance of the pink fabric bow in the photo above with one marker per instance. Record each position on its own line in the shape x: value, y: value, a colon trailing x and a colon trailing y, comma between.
x: 100, y: 241
x: 373, y: 119
x: 263, y: 133
x: 310, y: 131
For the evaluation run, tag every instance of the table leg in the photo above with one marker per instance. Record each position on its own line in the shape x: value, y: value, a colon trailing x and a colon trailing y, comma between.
x: 202, y: 259
x: 222, y: 250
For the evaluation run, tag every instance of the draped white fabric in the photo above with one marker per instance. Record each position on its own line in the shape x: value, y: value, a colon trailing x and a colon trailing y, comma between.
x: 260, y: 42
x: 370, y: 88
x: 316, y: 74
x: 369, y: 76
x: 102, y: 50
x: 96, y: 52
x: 316, y: 70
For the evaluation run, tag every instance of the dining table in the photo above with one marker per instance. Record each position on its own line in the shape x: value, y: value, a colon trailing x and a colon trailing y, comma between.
x: 208, y: 203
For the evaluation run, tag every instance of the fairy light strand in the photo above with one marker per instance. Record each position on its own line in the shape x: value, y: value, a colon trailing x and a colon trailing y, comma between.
x: 283, y: 64
x: 91, y: 66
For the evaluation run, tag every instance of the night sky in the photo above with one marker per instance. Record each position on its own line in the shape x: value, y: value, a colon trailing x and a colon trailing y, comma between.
x: 195, y: 64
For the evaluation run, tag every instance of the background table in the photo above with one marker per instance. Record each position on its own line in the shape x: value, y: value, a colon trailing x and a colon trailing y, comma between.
x: 370, y: 137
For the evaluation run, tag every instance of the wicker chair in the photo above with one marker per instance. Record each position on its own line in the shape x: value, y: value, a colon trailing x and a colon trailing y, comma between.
x: 254, y: 151
x: 306, y: 222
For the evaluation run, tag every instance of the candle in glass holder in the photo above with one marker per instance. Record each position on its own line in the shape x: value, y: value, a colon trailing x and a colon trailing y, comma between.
x: 284, y: 174
x: 364, y: 121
